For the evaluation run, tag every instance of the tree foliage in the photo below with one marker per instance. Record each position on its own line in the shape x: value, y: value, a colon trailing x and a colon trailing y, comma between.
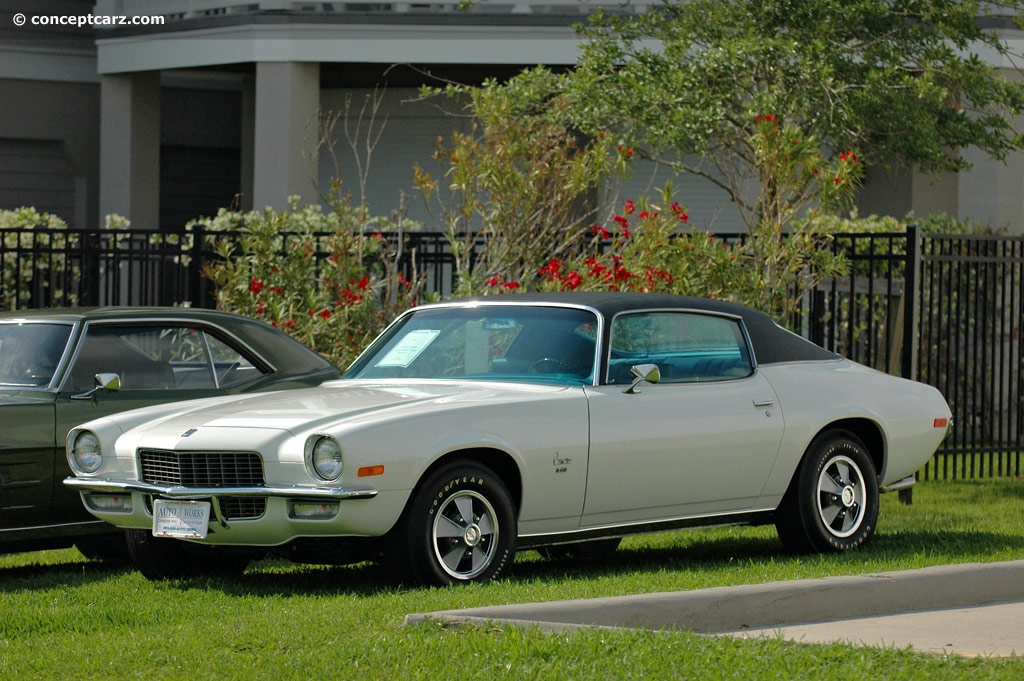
x: 895, y: 79
x: 518, y: 184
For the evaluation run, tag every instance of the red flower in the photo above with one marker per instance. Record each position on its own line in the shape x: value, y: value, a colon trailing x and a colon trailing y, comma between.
x: 510, y: 285
x: 628, y: 207
x: 678, y: 210
x: 325, y: 314
x: 625, y: 151
x: 493, y: 281
x: 572, y: 281
x: 255, y: 285
x: 552, y: 270
x: 622, y: 221
x: 600, y: 231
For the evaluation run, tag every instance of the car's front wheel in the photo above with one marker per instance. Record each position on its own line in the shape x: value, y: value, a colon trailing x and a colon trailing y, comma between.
x: 832, y: 503
x: 459, y: 526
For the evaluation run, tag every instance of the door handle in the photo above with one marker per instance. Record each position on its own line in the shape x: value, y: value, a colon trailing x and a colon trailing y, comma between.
x: 763, y: 404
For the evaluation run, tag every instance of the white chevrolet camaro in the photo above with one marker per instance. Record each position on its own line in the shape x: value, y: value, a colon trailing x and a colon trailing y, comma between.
x: 560, y: 422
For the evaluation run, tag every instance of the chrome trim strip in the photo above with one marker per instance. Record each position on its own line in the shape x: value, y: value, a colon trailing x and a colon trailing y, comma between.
x: 319, y: 493
x: 643, y: 527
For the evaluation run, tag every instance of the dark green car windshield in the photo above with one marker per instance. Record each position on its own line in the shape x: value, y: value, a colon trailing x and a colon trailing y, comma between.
x: 498, y: 343
x: 31, y: 352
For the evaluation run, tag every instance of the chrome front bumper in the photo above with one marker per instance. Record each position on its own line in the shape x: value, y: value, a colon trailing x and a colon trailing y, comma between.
x: 312, y: 493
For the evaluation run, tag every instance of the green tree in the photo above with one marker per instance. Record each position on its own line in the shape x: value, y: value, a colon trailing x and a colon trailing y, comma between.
x: 895, y: 79
x: 519, y: 182
x: 779, y: 102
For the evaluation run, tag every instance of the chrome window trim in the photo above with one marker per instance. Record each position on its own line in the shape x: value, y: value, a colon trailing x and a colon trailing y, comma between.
x: 596, y: 362
x: 177, y: 322
x: 685, y: 310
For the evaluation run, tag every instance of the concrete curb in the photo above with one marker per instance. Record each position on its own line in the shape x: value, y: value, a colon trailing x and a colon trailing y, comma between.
x: 765, y: 605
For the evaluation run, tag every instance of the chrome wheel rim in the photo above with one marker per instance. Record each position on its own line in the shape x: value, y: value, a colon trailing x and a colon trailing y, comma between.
x: 841, y: 495
x: 465, y: 535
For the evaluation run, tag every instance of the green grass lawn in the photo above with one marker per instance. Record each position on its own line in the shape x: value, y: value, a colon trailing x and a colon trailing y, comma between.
x: 64, y: 617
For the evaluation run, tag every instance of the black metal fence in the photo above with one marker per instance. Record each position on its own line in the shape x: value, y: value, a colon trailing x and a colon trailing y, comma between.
x: 943, y: 309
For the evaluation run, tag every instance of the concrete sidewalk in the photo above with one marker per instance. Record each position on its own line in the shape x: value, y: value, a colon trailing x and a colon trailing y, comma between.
x: 971, y: 609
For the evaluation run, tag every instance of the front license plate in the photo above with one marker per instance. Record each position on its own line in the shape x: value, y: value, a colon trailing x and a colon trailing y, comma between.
x: 182, y: 519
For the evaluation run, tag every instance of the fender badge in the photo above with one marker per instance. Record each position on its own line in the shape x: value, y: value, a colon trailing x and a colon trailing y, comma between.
x: 189, y: 432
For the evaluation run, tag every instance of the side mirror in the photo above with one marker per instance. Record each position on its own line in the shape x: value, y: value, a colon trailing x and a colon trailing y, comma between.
x: 641, y: 373
x: 108, y: 382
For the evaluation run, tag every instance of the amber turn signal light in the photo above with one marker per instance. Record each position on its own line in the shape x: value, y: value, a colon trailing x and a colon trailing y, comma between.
x: 367, y: 471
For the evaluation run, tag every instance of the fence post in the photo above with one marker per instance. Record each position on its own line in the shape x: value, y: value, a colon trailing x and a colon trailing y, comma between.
x: 911, y: 302
x: 90, y: 276
x: 911, y: 317
x: 196, y: 263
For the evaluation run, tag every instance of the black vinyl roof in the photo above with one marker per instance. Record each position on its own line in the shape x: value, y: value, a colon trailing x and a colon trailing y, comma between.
x: 772, y: 343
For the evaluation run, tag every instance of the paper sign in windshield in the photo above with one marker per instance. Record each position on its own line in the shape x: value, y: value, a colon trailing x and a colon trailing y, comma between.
x: 409, y: 348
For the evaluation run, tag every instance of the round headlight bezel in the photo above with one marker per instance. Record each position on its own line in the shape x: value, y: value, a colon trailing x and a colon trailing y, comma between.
x: 86, y: 457
x: 324, y: 457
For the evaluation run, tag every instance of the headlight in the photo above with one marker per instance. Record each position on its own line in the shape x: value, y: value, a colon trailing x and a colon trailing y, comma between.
x: 325, y: 457
x: 85, y: 452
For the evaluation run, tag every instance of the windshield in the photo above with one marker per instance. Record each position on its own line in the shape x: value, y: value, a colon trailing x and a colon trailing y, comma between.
x: 30, y: 353
x: 489, y: 342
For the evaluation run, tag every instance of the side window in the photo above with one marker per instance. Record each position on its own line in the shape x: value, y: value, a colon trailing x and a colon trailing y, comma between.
x: 30, y: 353
x: 688, y: 347
x: 159, y: 357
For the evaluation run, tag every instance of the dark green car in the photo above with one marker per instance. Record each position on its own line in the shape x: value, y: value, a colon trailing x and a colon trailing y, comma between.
x: 63, y: 367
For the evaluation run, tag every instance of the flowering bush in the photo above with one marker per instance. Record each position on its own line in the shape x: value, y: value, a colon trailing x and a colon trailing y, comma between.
x: 23, y: 274
x: 320, y: 276
x: 648, y: 248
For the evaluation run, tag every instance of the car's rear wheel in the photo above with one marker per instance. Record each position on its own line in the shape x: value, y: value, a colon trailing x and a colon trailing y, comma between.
x: 832, y: 503
x: 459, y: 526
x: 158, y: 558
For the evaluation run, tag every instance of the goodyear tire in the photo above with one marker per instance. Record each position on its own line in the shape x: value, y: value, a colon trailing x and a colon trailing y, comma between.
x: 832, y: 503
x: 459, y: 526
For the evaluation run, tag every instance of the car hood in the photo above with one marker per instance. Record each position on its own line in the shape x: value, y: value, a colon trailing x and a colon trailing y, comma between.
x: 334, y: 402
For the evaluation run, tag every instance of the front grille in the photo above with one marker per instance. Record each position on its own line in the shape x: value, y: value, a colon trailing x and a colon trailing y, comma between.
x: 232, y: 508
x: 243, y: 508
x: 201, y: 469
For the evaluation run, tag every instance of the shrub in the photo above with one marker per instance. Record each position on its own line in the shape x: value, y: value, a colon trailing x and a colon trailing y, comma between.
x: 320, y: 276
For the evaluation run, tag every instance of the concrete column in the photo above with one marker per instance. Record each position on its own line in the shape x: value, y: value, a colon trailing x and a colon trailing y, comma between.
x: 130, y: 147
x: 287, y: 101
x: 248, y: 142
x: 897, y: 192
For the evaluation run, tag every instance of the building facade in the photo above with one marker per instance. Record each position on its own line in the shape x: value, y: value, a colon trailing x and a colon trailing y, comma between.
x: 206, y: 104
